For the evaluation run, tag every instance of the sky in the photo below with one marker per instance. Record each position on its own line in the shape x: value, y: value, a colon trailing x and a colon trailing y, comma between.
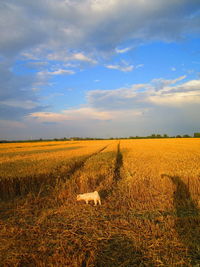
x: 99, y: 68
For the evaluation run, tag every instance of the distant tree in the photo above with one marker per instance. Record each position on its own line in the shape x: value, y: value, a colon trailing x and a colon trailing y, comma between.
x: 186, y: 136
x: 197, y: 135
x: 178, y: 136
x: 165, y: 136
x: 158, y: 136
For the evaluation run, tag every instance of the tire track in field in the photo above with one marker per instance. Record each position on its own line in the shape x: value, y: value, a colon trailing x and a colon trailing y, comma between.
x: 118, y: 165
x: 69, y: 184
x: 81, y: 164
x: 105, y: 193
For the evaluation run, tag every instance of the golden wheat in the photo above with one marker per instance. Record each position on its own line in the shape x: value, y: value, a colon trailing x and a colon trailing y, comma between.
x: 24, y: 173
x: 150, y: 192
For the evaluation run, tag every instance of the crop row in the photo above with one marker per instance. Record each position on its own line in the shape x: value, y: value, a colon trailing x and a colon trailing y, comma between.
x: 30, y: 152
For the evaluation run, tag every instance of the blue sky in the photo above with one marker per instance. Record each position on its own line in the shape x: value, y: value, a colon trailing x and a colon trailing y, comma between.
x: 99, y: 68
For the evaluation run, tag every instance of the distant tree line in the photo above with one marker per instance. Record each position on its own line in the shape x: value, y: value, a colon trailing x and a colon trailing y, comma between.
x: 156, y: 136
x: 152, y: 136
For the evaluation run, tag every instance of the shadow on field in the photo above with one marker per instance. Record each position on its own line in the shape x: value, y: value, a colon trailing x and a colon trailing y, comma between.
x: 116, y: 176
x: 118, y: 164
x: 119, y: 250
x: 187, y: 223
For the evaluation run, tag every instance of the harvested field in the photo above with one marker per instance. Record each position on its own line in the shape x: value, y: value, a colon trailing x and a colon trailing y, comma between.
x: 150, y: 213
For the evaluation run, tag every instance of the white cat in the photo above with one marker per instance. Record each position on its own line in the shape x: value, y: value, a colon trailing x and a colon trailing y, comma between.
x: 90, y: 196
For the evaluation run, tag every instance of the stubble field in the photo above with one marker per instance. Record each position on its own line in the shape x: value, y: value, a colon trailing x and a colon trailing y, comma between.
x: 150, y: 193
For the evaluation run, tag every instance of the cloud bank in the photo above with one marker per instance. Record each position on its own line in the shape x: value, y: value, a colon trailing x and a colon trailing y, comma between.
x: 62, y: 38
x: 136, y: 100
x: 97, y: 24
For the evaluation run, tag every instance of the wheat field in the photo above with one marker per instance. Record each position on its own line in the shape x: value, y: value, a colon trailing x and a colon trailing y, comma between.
x: 150, y: 193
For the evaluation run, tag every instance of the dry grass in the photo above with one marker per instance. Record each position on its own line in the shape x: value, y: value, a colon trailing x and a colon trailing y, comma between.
x: 149, y: 216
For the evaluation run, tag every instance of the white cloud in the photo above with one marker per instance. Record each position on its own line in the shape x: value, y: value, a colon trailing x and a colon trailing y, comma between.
x: 176, y: 99
x: 179, y: 95
x: 123, y: 67
x: 122, y: 50
x: 157, y: 92
x: 85, y: 113
x: 82, y: 57
x: 60, y: 72
x: 56, y: 72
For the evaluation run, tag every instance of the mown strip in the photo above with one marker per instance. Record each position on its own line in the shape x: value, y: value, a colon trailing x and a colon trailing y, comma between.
x: 33, y: 146
x: 97, y: 174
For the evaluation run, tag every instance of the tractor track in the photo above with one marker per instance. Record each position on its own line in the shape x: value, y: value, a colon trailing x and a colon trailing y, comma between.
x: 118, y: 165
